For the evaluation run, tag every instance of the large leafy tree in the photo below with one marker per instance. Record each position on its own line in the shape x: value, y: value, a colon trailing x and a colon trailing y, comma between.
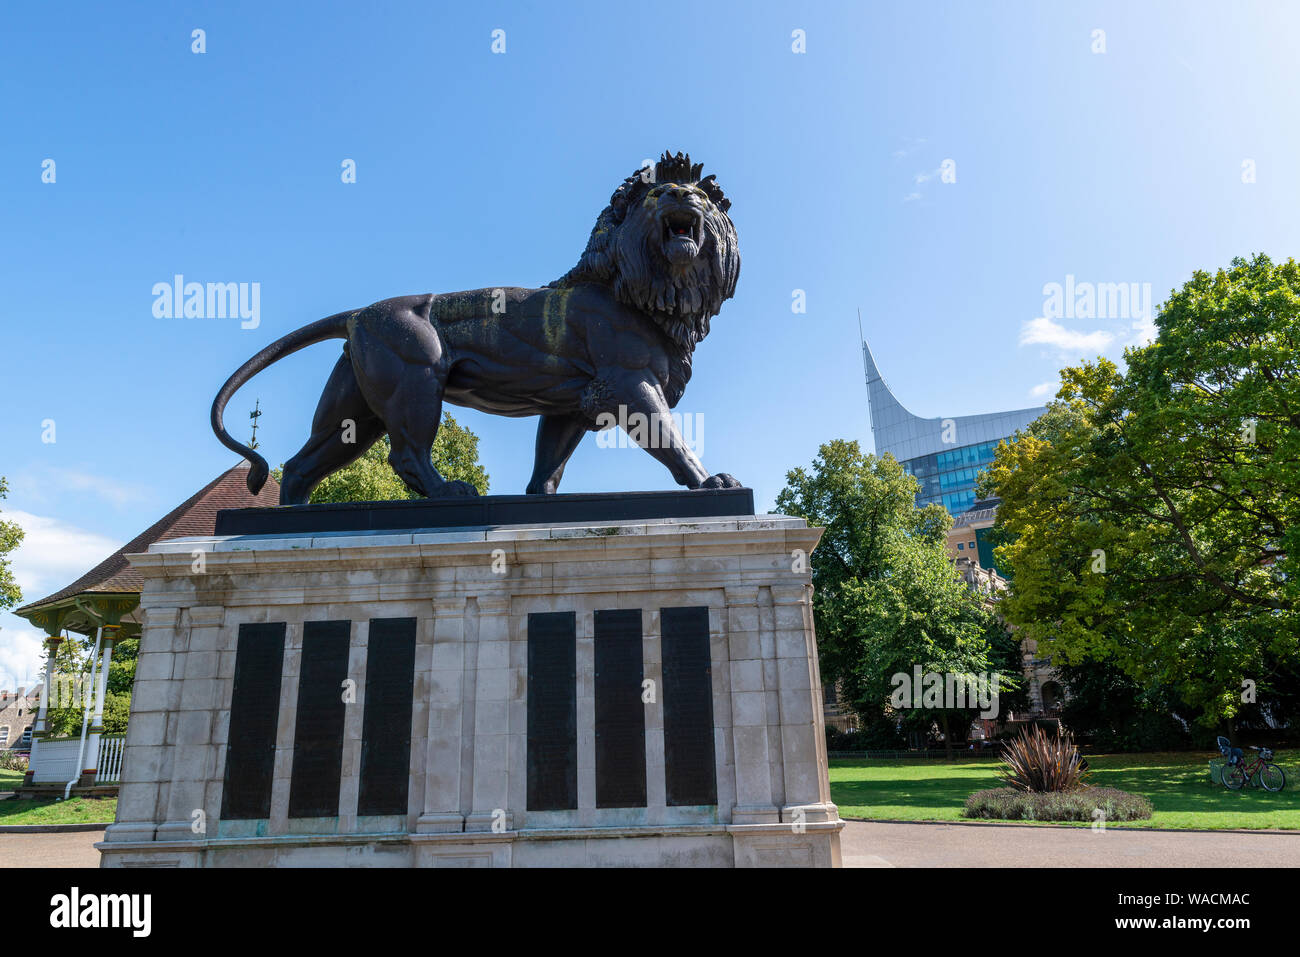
x: 71, y: 669
x: 887, y: 597
x: 371, y: 479
x: 69, y: 686
x: 1150, y: 517
x: 11, y: 536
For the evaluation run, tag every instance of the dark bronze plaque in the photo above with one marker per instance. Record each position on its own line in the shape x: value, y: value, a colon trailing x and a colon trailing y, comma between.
x: 689, y: 771
x: 318, y: 738
x: 620, y: 713
x: 552, y: 712
x: 254, y: 715
x: 386, y: 727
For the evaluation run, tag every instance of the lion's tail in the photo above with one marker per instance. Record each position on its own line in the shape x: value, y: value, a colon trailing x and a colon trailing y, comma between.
x: 335, y: 327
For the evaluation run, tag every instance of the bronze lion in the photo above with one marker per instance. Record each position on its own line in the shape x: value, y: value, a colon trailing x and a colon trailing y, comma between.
x: 615, y: 333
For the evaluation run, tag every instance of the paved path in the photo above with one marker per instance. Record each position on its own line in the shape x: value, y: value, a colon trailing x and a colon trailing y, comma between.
x: 879, y: 844
x: 68, y: 849
x: 873, y: 844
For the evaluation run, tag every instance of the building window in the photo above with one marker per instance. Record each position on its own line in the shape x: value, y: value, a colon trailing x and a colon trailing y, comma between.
x: 960, y: 547
x: 4, y: 735
x: 972, y: 544
x: 27, y: 737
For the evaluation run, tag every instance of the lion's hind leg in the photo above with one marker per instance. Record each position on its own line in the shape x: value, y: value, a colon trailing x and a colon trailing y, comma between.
x: 402, y: 369
x: 343, y: 428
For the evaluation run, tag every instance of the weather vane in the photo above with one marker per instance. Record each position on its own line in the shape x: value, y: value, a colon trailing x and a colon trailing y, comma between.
x: 255, y: 415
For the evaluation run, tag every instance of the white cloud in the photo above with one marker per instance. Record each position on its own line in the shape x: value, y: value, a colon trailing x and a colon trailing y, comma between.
x: 1144, y: 333
x: 1043, y: 331
x: 911, y: 196
x: 1045, y: 388
x: 21, y: 649
x: 54, y: 553
x: 48, y: 483
x: 912, y: 145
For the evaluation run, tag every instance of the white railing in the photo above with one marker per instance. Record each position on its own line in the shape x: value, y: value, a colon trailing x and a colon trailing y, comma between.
x: 54, y: 760
x: 109, y: 766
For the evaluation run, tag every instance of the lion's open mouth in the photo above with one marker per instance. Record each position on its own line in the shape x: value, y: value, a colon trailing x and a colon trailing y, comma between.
x: 683, y: 233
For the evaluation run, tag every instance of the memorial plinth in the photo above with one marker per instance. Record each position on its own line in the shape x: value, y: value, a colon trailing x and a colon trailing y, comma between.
x: 629, y: 692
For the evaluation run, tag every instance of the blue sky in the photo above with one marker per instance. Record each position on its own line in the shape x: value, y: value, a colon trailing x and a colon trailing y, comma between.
x: 482, y: 169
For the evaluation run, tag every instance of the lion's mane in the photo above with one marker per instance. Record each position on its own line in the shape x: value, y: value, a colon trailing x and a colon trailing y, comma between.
x: 680, y: 301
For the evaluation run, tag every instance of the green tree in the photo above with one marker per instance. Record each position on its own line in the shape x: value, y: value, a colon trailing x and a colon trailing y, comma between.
x: 1113, y: 712
x: 11, y: 536
x: 1149, y: 517
x: 886, y: 595
x: 371, y: 479
x: 69, y: 684
x: 72, y: 663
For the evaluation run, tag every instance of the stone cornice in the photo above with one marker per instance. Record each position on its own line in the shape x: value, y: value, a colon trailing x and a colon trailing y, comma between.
x: 522, y: 545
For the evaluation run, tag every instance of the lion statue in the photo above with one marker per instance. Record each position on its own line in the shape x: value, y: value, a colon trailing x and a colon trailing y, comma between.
x: 615, y: 334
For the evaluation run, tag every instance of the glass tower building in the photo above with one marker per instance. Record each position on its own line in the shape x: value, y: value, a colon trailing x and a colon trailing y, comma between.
x: 944, y: 454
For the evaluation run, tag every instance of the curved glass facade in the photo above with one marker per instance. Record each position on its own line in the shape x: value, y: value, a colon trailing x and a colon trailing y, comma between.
x: 945, y: 454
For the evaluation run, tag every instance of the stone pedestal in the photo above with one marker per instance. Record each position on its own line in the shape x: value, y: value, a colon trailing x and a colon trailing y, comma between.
x: 629, y: 635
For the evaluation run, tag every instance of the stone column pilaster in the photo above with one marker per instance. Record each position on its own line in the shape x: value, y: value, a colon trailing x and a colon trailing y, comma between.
x: 447, y: 677
x: 189, y: 754
x: 491, y: 716
x: 806, y: 792
x: 750, y: 745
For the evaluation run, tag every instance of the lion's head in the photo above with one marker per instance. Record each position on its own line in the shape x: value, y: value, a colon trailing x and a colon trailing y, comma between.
x: 667, y: 246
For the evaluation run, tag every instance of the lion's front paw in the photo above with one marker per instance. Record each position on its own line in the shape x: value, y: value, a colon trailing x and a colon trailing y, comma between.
x: 721, y: 480
x: 455, y: 489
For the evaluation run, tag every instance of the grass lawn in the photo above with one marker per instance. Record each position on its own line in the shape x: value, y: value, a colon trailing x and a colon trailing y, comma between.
x: 1177, y: 785
x: 9, y: 780
x: 77, y: 810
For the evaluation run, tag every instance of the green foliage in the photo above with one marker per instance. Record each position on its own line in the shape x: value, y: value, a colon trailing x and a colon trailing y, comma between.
x: 881, y: 735
x: 72, y: 661
x: 117, y: 708
x: 1008, y: 804
x: 11, y: 536
x: 75, y: 810
x: 371, y: 479
x: 68, y: 668
x: 12, y: 761
x: 1038, y: 762
x: 887, y: 596
x: 1177, y: 785
x: 1109, y: 711
x: 1150, y: 517
x: 121, y: 671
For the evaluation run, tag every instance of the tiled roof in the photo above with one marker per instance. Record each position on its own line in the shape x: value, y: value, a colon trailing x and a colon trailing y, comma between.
x: 197, y: 515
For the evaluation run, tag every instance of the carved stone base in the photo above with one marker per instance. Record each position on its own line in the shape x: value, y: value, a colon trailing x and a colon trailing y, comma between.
x: 634, y: 693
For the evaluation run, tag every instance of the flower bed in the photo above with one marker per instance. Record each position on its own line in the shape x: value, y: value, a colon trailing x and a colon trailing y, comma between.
x: 1008, y: 804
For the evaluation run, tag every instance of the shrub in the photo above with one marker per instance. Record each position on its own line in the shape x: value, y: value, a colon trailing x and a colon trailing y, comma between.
x: 1038, y: 763
x: 1008, y: 804
x: 881, y: 735
x: 12, y: 761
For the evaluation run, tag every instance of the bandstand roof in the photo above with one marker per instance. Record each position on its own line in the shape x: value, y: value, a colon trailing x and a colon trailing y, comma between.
x: 114, y: 583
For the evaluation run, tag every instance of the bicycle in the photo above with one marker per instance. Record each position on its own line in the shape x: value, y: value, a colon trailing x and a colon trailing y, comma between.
x: 1238, y: 771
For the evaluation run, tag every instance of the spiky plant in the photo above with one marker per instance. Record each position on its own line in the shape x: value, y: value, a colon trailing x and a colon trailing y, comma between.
x: 1038, y: 763
x: 12, y: 761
